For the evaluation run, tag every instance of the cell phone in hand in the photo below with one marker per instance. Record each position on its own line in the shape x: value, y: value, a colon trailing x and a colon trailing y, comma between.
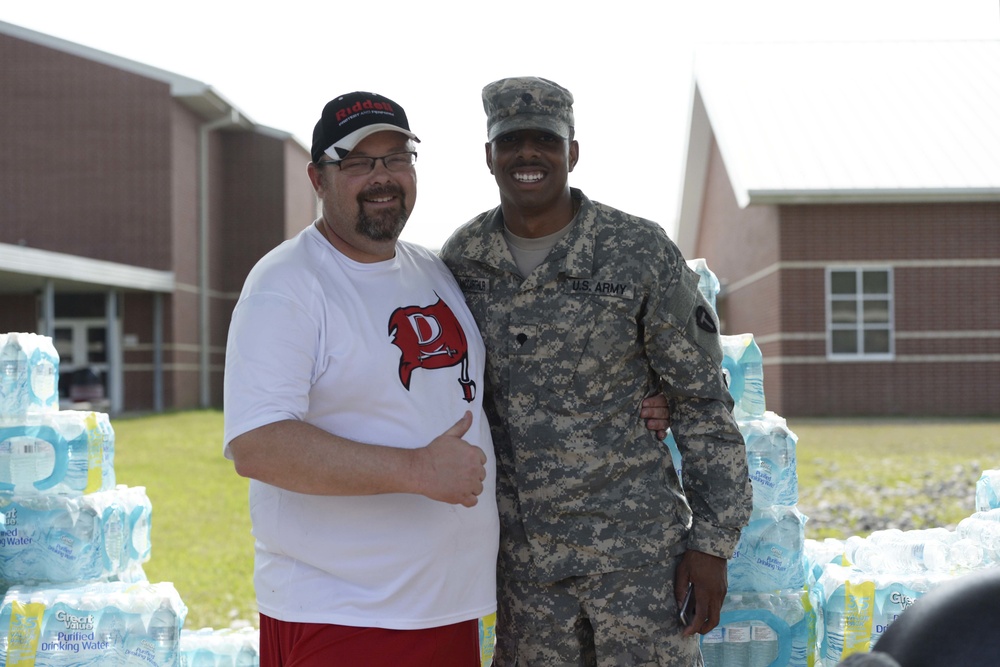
x: 687, y: 607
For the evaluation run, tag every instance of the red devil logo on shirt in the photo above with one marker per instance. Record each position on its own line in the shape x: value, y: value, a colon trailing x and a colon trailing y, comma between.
x: 430, y: 337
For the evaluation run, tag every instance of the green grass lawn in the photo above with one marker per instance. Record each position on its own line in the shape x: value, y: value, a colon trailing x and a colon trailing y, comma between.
x: 854, y: 477
x: 201, y: 525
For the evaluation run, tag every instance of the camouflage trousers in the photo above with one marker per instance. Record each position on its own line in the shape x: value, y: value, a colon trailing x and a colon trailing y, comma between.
x: 618, y: 619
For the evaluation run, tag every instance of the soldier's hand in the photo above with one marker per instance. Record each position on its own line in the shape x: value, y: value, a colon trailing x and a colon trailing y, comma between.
x: 450, y: 469
x: 657, y: 415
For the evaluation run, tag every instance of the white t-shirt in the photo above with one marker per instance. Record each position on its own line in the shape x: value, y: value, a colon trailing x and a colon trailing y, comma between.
x: 384, y: 353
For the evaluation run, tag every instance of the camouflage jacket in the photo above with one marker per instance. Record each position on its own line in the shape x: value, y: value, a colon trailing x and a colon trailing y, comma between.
x: 612, y: 315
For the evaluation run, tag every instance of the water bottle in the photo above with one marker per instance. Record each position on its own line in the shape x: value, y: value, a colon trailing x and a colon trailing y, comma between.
x: 113, y: 538
x: 736, y: 643
x: 163, y: 630
x: 984, y: 532
x: 708, y: 282
x: 42, y: 373
x: 743, y: 366
x: 763, y: 645
x: 712, y: 647
x: 901, y: 556
x: 13, y: 379
x: 139, y: 524
x: 965, y: 554
x: 833, y: 635
x: 988, y: 491
x: 763, y: 637
x: 110, y: 633
x: 790, y: 607
x: 248, y: 657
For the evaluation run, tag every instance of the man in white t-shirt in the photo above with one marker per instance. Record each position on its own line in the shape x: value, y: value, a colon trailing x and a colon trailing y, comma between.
x: 353, y: 402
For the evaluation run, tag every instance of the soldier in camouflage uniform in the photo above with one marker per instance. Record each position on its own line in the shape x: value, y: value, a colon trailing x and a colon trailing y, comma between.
x: 585, y: 310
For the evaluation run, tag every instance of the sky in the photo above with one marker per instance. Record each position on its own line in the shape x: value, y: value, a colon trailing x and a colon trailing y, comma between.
x: 629, y: 64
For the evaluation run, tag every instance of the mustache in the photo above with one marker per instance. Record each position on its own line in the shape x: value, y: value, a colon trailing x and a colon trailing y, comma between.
x: 383, y: 190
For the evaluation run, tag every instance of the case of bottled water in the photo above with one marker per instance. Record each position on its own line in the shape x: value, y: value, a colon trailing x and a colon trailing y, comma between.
x: 854, y: 608
x: 770, y: 554
x: 108, y: 623
x: 68, y: 452
x: 208, y: 647
x: 771, y: 459
x: 759, y: 630
x: 743, y: 366
x: 708, y: 282
x: 65, y: 539
x: 29, y: 376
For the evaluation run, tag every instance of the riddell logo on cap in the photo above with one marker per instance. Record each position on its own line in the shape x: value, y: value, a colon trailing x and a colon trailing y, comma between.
x: 358, y: 107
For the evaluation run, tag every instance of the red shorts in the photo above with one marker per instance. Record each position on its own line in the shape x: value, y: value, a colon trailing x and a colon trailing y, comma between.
x: 285, y: 644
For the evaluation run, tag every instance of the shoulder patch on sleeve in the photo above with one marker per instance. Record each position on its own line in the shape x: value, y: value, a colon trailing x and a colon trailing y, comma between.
x: 705, y: 320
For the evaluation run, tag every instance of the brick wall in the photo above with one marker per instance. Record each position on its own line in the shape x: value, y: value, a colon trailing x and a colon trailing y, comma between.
x: 944, y: 257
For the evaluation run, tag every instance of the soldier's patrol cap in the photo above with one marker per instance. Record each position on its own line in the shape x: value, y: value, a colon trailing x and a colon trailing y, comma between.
x: 527, y: 103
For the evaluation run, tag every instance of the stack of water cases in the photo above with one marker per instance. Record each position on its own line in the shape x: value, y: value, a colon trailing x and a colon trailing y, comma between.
x: 72, y: 542
x: 860, y: 585
x: 765, y: 620
x: 794, y: 601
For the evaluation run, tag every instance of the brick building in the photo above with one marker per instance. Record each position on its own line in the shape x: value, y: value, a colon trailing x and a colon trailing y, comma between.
x: 134, y: 202
x: 848, y: 198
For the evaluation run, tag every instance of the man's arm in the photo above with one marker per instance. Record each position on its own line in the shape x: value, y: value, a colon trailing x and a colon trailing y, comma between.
x: 300, y: 457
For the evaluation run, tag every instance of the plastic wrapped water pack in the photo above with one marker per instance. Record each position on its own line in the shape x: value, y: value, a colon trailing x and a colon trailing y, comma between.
x: 69, y: 452
x: 108, y: 623
x: 759, y: 630
x: 770, y: 555
x: 29, y: 376
x: 854, y: 608
x: 771, y: 460
x: 64, y: 539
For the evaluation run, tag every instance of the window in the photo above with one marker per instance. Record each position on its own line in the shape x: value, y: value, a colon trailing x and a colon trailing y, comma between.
x: 859, y: 313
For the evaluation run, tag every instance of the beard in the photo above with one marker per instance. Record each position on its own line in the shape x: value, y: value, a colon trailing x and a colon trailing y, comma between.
x: 384, y: 226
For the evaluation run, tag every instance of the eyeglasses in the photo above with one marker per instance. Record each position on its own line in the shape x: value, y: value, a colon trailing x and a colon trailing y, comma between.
x: 359, y: 166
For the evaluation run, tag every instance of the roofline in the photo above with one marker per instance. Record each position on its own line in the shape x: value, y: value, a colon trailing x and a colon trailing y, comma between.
x: 876, y: 196
x: 75, y: 269
x: 694, y: 176
x: 197, y: 95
